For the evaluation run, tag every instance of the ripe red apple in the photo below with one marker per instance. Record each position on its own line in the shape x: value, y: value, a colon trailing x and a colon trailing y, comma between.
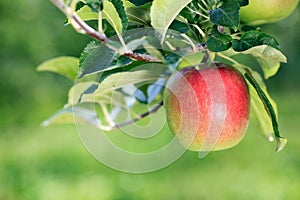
x: 267, y: 11
x: 207, y: 109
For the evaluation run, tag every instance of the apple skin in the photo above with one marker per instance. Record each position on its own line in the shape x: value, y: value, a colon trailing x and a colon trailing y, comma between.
x: 188, y: 103
x: 267, y: 11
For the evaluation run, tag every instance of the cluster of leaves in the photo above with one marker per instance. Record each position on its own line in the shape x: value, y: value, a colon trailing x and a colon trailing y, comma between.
x: 169, y: 35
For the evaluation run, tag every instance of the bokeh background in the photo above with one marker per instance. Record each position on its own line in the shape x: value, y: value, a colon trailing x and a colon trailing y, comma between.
x: 51, y: 163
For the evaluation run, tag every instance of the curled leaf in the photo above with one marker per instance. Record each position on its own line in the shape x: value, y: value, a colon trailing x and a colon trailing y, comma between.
x: 269, y: 109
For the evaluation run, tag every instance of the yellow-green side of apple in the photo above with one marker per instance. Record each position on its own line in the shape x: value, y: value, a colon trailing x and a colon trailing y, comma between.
x: 267, y: 11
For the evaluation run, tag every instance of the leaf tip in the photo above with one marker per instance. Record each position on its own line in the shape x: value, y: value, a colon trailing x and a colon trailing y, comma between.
x: 281, y: 143
x: 45, y: 123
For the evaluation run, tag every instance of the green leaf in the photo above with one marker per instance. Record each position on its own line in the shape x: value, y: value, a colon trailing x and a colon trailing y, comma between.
x: 254, y: 38
x: 79, y: 5
x: 76, y: 91
x: 155, y: 89
x: 163, y: 13
x: 119, y: 67
x: 191, y: 60
x: 134, y: 44
x: 86, y: 14
x: 121, y: 12
x: 227, y: 14
x: 87, y: 51
x: 180, y: 26
x: 268, y: 57
x: 65, y: 66
x: 146, y: 73
x: 258, y: 110
x: 217, y: 41
x: 244, y: 2
x: 267, y: 108
x: 140, y: 2
x: 95, y: 58
x: 139, y: 16
x: 114, y: 98
x: 108, y: 91
x: 95, y: 5
x: 73, y: 114
x: 110, y: 13
x: 152, y: 50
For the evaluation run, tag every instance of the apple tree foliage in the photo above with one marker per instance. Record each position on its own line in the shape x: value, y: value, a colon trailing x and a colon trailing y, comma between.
x: 137, y: 44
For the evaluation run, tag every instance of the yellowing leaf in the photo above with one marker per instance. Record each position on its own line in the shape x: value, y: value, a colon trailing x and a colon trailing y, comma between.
x: 268, y: 57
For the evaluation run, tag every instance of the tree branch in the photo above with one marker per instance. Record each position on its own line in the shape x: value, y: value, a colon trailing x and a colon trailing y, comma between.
x: 82, y: 27
x: 141, y: 116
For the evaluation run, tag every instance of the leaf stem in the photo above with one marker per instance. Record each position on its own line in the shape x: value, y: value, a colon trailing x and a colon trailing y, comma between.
x: 203, y: 9
x: 100, y: 25
x: 199, y: 30
x: 205, y: 4
x: 198, y: 13
x: 229, y: 59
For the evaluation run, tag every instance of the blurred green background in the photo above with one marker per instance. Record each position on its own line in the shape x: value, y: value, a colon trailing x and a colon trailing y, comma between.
x: 51, y: 163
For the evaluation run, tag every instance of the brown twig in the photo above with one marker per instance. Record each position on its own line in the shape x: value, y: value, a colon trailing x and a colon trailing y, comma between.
x: 141, y: 116
x: 84, y: 28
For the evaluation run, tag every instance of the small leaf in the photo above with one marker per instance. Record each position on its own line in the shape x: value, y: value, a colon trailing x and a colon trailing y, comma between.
x: 254, y: 38
x: 227, y: 14
x: 66, y: 66
x: 95, y: 58
x: 217, y: 41
x: 268, y: 107
x: 163, y: 13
